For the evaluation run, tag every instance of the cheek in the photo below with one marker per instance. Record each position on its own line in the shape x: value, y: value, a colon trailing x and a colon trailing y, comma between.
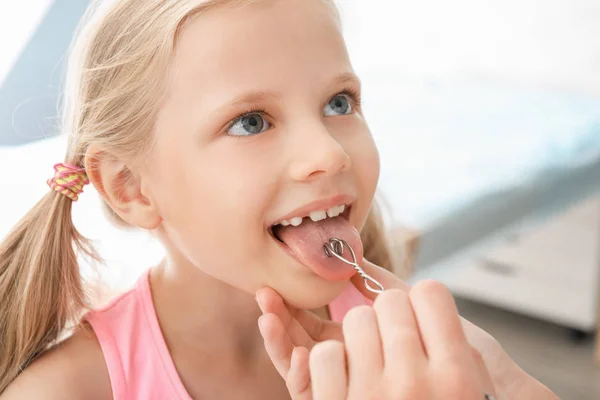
x: 365, y: 168
x: 369, y: 164
x: 358, y: 142
x: 214, y: 216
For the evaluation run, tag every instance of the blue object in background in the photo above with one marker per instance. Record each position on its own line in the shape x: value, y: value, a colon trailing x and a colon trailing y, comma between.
x: 29, y: 95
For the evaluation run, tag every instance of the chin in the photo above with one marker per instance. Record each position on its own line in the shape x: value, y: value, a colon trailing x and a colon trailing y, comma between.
x: 313, y: 294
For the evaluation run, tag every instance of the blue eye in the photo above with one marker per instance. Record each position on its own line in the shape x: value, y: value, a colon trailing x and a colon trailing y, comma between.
x: 338, y: 105
x: 248, y: 124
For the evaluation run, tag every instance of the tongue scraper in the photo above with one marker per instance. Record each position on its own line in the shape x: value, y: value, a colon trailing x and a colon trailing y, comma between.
x: 335, y: 248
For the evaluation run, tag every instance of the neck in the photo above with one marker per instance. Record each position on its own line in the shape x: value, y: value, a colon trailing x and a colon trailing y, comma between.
x: 203, y: 315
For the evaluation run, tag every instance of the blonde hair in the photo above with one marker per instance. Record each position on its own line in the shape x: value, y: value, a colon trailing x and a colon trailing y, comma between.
x: 115, y: 80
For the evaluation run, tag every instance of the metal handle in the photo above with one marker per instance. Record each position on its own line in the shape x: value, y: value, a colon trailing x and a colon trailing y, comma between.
x: 335, y: 248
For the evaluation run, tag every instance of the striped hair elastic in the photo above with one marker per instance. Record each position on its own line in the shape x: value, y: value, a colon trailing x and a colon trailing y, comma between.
x: 68, y: 180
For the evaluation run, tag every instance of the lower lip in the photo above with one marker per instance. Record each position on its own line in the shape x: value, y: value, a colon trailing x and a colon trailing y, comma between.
x: 345, y: 215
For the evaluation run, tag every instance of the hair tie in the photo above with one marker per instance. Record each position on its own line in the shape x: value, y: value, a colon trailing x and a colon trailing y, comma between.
x: 68, y: 180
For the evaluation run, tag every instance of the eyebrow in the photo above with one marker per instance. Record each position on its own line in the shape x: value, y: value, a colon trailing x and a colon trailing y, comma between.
x: 254, y: 97
x: 348, y: 78
x: 259, y: 97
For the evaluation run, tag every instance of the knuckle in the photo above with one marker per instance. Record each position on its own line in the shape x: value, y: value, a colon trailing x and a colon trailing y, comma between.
x: 357, y: 315
x: 367, y: 393
x: 326, y: 350
x: 400, y: 337
x: 391, y: 297
x: 429, y: 287
x: 456, y: 382
x: 411, y: 336
x: 412, y: 384
x: 376, y: 394
x: 413, y: 389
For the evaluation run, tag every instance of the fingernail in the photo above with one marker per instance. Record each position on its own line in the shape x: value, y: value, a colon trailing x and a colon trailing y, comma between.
x: 261, y: 325
x: 259, y: 302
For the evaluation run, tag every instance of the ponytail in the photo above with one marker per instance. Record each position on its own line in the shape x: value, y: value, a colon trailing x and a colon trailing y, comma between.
x: 128, y: 46
x: 40, y: 285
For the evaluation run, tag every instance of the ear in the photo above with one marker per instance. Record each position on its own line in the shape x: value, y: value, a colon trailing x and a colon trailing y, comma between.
x: 121, y: 189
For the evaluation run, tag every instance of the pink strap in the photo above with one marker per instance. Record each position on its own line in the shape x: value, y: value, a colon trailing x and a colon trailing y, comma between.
x: 350, y: 298
x: 110, y: 350
x: 137, y: 357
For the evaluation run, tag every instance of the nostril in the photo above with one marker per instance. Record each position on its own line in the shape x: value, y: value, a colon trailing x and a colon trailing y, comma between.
x: 317, y: 174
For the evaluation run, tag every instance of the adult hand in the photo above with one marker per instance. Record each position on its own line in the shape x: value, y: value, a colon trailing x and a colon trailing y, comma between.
x: 290, y: 334
x: 407, y: 346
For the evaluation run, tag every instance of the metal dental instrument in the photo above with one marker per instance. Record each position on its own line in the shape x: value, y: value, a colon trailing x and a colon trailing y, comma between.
x: 335, y: 248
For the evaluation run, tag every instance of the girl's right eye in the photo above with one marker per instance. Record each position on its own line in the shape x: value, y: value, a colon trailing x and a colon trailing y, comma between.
x: 248, y: 124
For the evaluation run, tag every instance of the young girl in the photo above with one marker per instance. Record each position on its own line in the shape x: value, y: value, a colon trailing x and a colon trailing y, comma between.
x: 232, y: 130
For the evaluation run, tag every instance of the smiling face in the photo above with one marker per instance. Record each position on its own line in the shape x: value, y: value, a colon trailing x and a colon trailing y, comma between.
x: 261, y: 124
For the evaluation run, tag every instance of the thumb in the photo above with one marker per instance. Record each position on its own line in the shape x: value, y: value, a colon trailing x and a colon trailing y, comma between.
x: 387, y: 279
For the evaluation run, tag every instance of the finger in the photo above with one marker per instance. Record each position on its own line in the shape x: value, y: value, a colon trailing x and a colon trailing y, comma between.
x: 387, y: 279
x: 487, y: 381
x: 319, y: 329
x: 363, y: 347
x: 328, y: 377
x: 278, y: 344
x: 298, y: 378
x: 439, y: 323
x: 270, y: 302
x: 403, y: 349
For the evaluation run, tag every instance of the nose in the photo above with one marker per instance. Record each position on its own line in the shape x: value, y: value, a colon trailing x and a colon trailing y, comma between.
x: 317, y: 153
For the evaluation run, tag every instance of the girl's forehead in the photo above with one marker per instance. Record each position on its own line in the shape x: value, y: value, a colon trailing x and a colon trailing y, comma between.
x: 282, y: 17
x: 280, y: 37
x: 284, y: 52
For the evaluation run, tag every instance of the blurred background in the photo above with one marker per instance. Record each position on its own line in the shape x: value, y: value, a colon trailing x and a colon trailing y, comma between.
x: 487, y: 116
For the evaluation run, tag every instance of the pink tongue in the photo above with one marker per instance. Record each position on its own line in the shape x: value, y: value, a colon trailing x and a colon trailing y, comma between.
x: 306, y: 242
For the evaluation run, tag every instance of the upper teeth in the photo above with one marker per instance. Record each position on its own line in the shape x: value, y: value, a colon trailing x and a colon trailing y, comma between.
x: 316, y: 215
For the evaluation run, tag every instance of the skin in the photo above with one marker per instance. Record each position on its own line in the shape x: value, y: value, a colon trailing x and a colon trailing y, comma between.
x: 211, y: 196
x: 303, y: 346
x: 399, y: 334
x: 216, y: 195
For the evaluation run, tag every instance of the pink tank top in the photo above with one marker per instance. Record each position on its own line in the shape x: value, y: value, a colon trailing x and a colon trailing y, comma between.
x: 138, y: 361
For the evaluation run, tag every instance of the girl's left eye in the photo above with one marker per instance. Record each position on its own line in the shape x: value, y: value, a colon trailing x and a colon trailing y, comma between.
x: 248, y: 124
x: 338, y: 105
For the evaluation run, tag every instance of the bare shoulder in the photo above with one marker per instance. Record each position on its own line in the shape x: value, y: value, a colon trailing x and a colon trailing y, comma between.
x: 73, y: 370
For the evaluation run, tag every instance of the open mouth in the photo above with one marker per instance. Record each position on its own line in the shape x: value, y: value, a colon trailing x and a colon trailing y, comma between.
x: 341, y: 211
x: 302, y: 238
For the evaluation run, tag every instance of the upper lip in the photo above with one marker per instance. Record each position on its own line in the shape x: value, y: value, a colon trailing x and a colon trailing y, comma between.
x: 318, y: 205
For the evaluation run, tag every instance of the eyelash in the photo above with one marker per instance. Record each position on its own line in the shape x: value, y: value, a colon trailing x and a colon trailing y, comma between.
x: 235, y: 119
x: 349, y: 91
x: 354, y: 96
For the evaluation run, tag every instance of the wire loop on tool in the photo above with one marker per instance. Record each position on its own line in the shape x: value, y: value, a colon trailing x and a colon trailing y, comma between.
x: 335, y: 247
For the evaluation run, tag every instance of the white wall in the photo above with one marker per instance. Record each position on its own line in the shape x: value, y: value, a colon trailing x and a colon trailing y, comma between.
x: 550, y: 42
x: 554, y: 42
x: 18, y: 21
